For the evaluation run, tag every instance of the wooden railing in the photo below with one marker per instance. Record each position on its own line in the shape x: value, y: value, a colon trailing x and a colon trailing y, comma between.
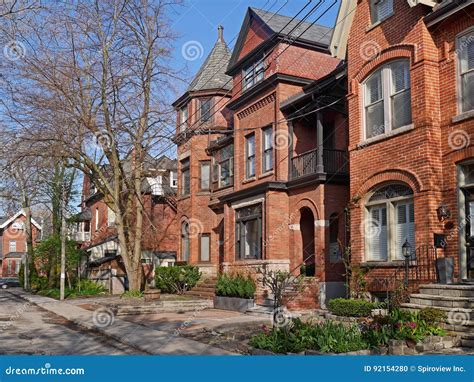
x: 334, y: 162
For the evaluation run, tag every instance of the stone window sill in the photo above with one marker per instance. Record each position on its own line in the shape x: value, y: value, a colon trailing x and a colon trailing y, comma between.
x: 388, y: 135
x: 377, y: 23
x: 266, y: 175
x: 463, y: 116
x: 249, y: 180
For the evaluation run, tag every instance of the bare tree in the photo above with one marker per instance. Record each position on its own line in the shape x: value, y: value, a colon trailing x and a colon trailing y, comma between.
x: 92, y: 88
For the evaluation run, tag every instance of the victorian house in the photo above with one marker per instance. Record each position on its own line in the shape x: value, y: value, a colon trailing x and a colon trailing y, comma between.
x: 262, y: 138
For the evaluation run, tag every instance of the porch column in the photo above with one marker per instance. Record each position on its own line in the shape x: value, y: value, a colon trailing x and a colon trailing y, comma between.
x: 290, y: 149
x: 319, y: 137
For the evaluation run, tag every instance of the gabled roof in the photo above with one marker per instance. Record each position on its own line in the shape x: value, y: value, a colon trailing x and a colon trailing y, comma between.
x: 281, y: 26
x: 5, y: 221
x: 212, y: 75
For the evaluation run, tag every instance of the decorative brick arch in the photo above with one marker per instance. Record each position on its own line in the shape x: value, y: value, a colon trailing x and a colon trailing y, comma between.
x: 391, y: 53
x: 461, y: 155
x: 304, y: 203
x: 387, y: 176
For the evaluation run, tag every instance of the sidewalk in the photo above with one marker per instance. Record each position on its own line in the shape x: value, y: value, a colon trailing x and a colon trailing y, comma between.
x: 104, y: 321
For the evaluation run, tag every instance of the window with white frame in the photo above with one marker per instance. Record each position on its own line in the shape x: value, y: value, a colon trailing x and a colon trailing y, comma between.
x: 183, y: 118
x: 380, y: 10
x: 389, y: 222
x: 267, y: 149
x: 253, y: 74
x: 12, y: 246
x: 173, y: 179
x: 465, y: 49
x: 250, y: 155
x: 387, y: 99
x: 96, y: 219
x: 110, y: 216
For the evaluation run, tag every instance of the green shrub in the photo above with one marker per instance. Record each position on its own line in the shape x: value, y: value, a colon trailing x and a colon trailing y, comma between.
x: 352, y: 308
x: 235, y: 286
x: 432, y: 316
x: 177, y: 279
x: 298, y: 336
x: 89, y: 288
x: 131, y: 294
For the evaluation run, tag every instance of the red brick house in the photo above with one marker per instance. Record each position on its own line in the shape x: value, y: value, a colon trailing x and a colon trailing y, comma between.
x: 411, y: 121
x: 94, y: 228
x: 277, y: 156
x: 13, y: 242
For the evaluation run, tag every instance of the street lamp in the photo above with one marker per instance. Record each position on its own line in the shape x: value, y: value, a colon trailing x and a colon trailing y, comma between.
x: 406, y: 252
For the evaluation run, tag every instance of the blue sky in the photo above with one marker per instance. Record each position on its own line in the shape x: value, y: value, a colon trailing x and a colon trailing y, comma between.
x: 197, y: 21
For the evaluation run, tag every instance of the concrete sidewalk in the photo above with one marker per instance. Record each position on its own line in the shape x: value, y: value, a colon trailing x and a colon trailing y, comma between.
x: 140, y: 337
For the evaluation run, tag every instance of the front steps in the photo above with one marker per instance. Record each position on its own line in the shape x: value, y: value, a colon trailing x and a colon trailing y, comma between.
x: 456, y: 300
x: 205, y: 288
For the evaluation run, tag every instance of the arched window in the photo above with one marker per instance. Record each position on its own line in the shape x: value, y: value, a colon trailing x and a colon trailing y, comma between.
x: 390, y: 220
x: 387, y: 99
x: 185, y: 241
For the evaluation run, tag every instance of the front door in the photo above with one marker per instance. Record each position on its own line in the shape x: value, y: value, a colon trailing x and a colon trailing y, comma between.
x: 469, y: 231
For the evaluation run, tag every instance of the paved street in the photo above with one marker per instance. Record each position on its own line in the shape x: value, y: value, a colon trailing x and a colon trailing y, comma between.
x: 27, y: 329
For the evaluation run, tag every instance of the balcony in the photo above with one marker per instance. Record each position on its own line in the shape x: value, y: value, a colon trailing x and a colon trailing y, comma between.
x: 332, y: 162
x: 82, y: 237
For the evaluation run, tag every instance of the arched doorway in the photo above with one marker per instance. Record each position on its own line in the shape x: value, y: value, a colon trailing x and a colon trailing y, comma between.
x: 307, y: 238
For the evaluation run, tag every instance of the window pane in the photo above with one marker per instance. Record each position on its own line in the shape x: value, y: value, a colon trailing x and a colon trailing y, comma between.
x: 205, y: 110
x: 250, y: 167
x: 467, y: 85
x: 400, y: 76
x: 251, y: 242
x: 376, y: 233
x: 267, y: 138
x: 401, y: 109
x: 225, y: 174
x: 268, y: 160
x: 374, y: 88
x: 375, y: 120
x: 250, y: 145
x: 205, y: 176
x: 384, y: 9
x: 466, y: 52
x: 405, y: 228
x: 205, y: 248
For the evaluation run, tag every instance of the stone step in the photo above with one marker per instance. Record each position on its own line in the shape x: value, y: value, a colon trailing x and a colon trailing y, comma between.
x: 442, y: 301
x: 452, y: 290
x: 207, y: 295
x: 467, y: 343
x: 456, y: 315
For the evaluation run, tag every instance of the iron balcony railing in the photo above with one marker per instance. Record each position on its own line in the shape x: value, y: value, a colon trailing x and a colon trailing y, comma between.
x: 333, y: 162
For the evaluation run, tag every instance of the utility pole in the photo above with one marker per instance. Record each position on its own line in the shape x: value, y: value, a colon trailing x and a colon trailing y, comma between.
x: 63, y: 242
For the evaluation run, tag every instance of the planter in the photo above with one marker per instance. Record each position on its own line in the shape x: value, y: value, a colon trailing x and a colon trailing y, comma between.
x: 445, y: 269
x: 233, y: 303
x: 152, y: 295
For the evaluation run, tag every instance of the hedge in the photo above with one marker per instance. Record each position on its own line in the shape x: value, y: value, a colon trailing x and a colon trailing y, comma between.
x: 235, y: 286
x: 177, y: 279
x: 352, y: 308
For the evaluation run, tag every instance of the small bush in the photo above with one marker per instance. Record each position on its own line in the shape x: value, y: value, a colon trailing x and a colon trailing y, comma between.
x: 131, y: 294
x: 235, y: 286
x: 432, y: 316
x: 177, y: 279
x: 89, y: 288
x: 352, y: 308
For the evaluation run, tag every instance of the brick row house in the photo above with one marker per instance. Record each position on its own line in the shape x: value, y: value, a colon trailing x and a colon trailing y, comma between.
x: 93, y: 228
x: 410, y: 68
x: 262, y: 139
x: 13, y: 242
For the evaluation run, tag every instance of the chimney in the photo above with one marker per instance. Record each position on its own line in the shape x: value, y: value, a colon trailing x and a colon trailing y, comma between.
x: 220, y: 33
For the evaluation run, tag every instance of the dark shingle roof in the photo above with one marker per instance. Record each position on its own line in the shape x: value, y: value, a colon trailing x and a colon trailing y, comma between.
x: 278, y: 24
x: 212, y: 75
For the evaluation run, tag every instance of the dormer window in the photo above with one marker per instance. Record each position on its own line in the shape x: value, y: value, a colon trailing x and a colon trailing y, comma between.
x: 380, y: 10
x: 183, y: 118
x: 205, y: 109
x: 253, y: 74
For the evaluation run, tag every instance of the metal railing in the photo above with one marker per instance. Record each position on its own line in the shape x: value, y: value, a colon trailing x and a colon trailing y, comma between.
x: 334, y: 162
x: 82, y: 237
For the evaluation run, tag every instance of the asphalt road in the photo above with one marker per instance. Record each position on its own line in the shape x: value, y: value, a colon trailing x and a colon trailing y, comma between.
x: 30, y: 330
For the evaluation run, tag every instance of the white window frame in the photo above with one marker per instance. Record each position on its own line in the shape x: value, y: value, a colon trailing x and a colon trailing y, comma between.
x: 173, y: 179
x: 386, y: 79
x: 253, y: 74
x: 250, y: 157
x: 10, y: 246
x: 459, y: 75
x: 391, y: 205
x: 265, y: 149
x: 183, y: 124
x: 97, y: 219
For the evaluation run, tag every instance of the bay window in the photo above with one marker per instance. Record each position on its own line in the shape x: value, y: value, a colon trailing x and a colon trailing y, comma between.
x: 387, y: 99
x: 390, y: 220
x: 267, y: 149
x: 253, y: 74
x: 248, y: 235
x: 205, y: 109
x: 183, y: 118
x: 250, y: 156
x: 465, y: 47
